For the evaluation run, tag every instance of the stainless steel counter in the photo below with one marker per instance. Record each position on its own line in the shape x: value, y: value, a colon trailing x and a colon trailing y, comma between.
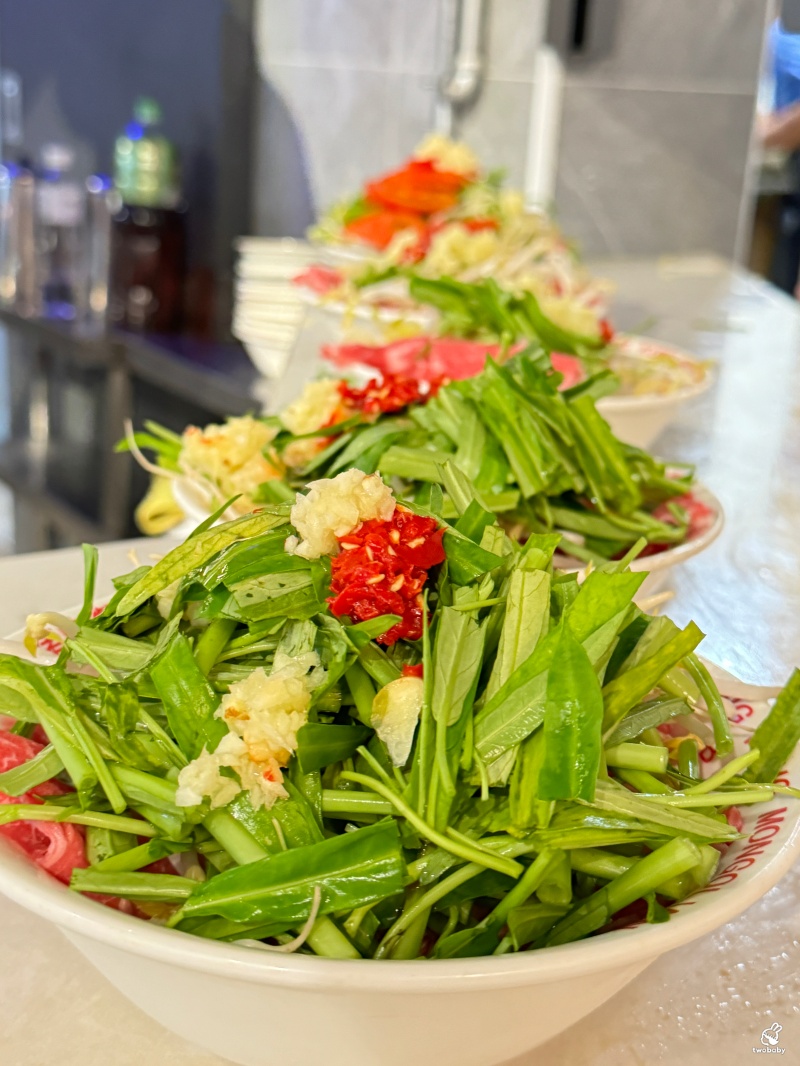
x: 744, y: 436
x: 701, y: 1005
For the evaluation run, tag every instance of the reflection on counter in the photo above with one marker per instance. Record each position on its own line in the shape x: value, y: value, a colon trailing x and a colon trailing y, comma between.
x: 744, y: 437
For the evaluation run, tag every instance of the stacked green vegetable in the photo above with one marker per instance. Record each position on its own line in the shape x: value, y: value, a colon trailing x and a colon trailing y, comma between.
x: 538, y: 798
x: 486, y: 311
x: 542, y: 459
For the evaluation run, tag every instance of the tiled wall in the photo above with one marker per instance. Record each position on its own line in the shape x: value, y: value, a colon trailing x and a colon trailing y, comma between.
x: 350, y: 86
x: 656, y: 131
x: 655, y: 126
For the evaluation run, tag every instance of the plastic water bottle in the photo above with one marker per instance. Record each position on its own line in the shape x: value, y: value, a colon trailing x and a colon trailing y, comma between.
x: 60, y: 218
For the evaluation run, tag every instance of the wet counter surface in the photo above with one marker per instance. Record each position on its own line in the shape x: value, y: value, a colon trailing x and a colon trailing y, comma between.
x: 703, y: 1004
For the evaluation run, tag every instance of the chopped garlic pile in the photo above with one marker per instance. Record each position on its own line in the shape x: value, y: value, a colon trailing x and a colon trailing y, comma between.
x: 453, y: 248
x: 336, y: 506
x: 230, y: 456
x: 319, y: 405
x: 201, y: 779
x: 453, y: 156
x: 314, y: 407
x: 263, y: 713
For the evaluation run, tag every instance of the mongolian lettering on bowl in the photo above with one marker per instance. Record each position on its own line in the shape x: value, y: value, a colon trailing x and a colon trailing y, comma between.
x: 767, y: 827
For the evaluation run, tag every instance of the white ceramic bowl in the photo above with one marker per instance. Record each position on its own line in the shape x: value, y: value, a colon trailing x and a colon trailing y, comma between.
x: 636, y: 420
x: 194, y: 505
x: 639, y: 420
x: 258, y: 1009
x: 193, y: 501
x: 659, y: 565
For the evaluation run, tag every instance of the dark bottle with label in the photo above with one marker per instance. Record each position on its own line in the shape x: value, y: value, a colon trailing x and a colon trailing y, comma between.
x: 148, y: 230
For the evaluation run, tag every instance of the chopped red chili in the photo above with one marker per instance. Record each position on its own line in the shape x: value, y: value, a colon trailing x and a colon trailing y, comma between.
x: 412, y: 671
x: 419, y: 187
x: 389, y: 394
x: 379, y: 227
x: 382, y: 568
x: 606, y: 331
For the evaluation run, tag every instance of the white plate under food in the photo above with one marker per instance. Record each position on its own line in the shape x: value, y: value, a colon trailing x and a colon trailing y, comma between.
x: 273, y: 247
x: 639, y: 419
x: 195, y: 505
x: 344, y: 253
x: 257, y: 1008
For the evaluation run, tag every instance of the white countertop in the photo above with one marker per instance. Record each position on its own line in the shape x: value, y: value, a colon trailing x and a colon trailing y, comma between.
x: 704, y: 1004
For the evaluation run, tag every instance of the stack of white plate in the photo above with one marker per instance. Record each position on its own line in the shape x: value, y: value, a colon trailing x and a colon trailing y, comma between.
x: 268, y: 307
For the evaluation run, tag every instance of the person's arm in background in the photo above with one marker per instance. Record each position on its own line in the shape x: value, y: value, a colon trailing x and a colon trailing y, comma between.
x: 781, y: 129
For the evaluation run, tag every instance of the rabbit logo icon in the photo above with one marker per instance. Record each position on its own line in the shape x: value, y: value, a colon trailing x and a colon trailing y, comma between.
x: 771, y: 1036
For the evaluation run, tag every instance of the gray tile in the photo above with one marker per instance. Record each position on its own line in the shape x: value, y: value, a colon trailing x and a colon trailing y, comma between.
x: 321, y: 133
x: 282, y: 199
x: 354, y: 33
x: 649, y: 172
x: 514, y: 31
x: 496, y: 126
x: 711, y: 44
x: 419, y: 45
x: 408, y: 123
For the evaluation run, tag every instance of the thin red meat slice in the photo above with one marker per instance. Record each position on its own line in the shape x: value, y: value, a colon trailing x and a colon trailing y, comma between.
x: 423, y: 358
x: 15, y: 750
x: 57, y: 848
x: 319, y: 279
x: 568, y: 365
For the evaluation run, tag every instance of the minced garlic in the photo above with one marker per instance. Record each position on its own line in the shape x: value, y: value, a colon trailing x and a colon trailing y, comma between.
x: 454, y: 248
x: 263, y: 714
x: 230, y: 456
x: 314, y: 408
x: 336, y: 506
x: 453, y: 156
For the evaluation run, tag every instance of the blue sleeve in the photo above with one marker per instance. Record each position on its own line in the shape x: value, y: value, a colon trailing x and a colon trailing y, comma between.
x: 785, y: 54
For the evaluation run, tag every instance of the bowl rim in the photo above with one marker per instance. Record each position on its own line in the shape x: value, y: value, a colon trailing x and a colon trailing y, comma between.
x: 635, y: 947
x: 186, y: 498
x: 617, y: 404
x: 34, y: 890
x: 681, y: 552
x: 663, y: 560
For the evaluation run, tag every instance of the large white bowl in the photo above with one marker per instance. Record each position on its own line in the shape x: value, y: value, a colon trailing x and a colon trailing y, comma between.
x: 639, y: 420
x: 195, y: 506
x: 258, y: 1009
x: 636, y: 420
